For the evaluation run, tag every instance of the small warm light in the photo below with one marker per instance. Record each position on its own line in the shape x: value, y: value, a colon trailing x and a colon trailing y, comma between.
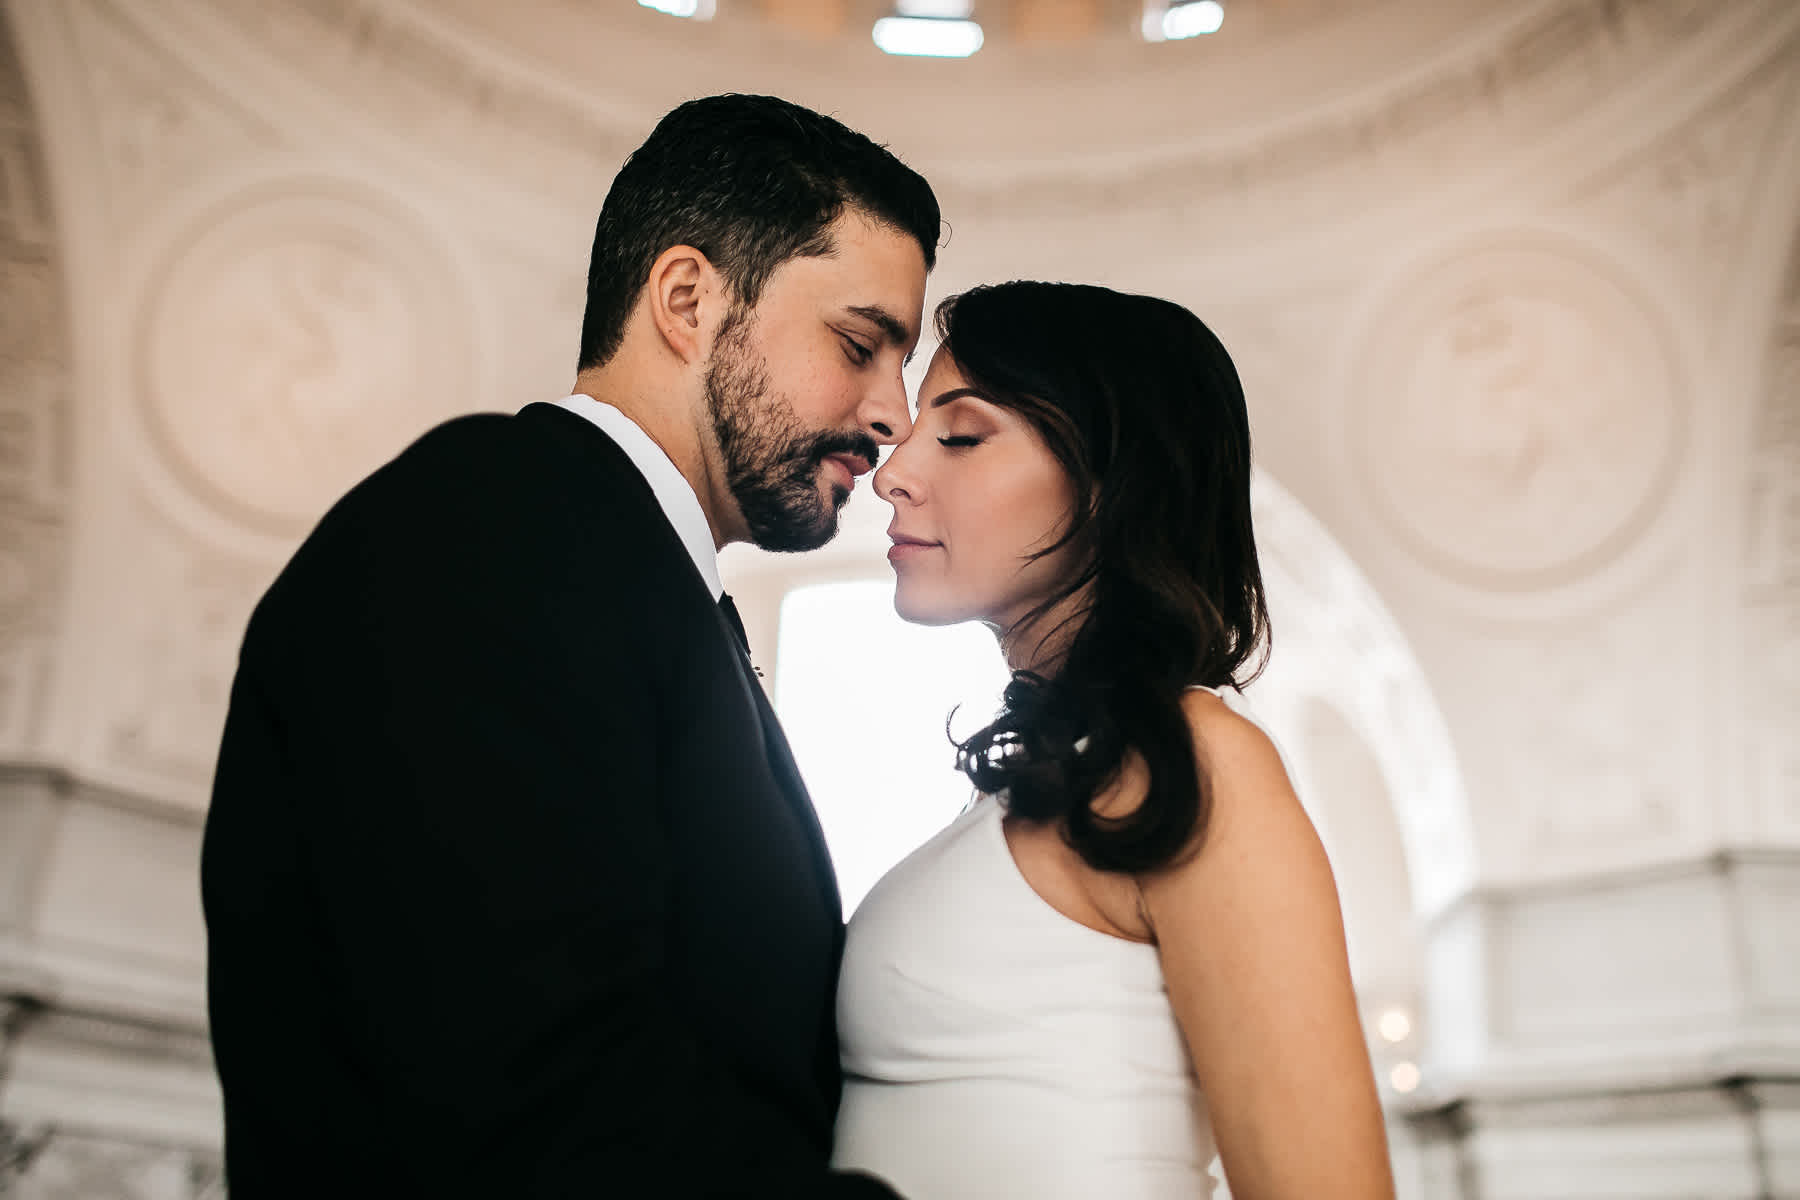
x: 1394, y: 1025
x: 699, y: 10
x: 1404, y: 1077
x: 930, y: 37
x: 1177, y: 21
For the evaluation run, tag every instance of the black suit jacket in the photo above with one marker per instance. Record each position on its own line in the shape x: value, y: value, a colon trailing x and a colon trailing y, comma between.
x: 511, y: 886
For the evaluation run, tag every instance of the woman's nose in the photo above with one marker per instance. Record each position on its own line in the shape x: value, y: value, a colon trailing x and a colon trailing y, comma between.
x: 892, y: 481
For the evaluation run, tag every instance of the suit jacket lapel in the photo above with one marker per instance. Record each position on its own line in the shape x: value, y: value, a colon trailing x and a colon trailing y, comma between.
x: 787, y: 775
x: 775, y: 743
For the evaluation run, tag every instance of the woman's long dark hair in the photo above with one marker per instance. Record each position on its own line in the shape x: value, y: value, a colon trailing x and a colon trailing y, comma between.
x: 1142, y: 406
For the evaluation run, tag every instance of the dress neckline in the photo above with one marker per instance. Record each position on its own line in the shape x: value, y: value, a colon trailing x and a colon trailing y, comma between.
x: 994, y: 821
x: 996, y: 833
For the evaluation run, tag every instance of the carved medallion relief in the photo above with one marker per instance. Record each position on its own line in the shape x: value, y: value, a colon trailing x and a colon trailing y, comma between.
x: 1517, y: 414
x: 298, y: 336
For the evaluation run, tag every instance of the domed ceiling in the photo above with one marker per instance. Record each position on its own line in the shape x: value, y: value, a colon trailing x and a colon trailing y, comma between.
x: 1054, y: 79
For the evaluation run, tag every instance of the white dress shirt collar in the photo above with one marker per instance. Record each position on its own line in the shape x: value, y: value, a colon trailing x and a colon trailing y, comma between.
x: 673, y: 493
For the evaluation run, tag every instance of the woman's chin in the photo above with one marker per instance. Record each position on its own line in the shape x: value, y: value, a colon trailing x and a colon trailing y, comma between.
x: 921, y: 610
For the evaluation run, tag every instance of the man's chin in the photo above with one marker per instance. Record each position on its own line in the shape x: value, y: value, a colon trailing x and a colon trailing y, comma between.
x: 794, y: 538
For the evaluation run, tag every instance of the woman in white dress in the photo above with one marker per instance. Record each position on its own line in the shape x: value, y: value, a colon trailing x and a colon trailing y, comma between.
x: 1128, y: 951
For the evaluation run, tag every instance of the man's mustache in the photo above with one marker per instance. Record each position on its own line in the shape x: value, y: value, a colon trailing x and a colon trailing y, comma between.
x: 859, y: 444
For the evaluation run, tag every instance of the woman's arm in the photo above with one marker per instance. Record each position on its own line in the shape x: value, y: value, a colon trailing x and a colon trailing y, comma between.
x: 1252, y: 947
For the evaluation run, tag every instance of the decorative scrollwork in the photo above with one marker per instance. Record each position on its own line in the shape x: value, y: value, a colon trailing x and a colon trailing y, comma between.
x: 19, y: 1149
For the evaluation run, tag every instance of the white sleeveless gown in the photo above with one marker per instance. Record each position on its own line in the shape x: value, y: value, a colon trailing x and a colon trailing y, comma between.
x: 995, y: 1048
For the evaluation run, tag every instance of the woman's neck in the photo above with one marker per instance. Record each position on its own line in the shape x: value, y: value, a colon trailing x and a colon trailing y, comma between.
x: 1040, y: 644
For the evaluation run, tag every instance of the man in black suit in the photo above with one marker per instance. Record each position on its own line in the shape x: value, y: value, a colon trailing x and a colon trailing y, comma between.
x: 511, y: 886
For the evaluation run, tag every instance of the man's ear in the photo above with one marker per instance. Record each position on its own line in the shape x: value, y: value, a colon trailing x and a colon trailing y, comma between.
x: 686, y: 298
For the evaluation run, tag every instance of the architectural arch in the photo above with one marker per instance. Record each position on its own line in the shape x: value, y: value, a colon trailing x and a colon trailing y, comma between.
x: 1337, y: 645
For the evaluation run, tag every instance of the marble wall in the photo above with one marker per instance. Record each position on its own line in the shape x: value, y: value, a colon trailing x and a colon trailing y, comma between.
x: 1515, y: 291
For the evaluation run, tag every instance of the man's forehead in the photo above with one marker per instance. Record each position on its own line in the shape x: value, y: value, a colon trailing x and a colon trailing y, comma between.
x: 871, y: 272
x: 889, y: 272
x: 884, y: 262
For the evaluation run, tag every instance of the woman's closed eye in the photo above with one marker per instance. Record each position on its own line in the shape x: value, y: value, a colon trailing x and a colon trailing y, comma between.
x: 959, y: 442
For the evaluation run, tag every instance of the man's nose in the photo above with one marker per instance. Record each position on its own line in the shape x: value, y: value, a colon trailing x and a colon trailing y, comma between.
x: 887, y: 414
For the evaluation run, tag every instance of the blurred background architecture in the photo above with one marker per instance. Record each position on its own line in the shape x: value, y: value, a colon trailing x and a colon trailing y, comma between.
x: 1515, y: 292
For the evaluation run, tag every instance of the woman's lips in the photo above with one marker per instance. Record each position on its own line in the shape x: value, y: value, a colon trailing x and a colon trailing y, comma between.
x: 907, y: 547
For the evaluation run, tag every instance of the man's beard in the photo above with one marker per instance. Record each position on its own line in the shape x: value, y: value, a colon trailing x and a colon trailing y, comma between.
x: 772, y: 464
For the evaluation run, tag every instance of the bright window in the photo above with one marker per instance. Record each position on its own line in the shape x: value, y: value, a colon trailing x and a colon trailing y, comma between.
x: 863, y: 697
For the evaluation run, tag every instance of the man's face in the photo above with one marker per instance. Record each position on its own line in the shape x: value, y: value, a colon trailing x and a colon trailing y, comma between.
x: 805, y: 388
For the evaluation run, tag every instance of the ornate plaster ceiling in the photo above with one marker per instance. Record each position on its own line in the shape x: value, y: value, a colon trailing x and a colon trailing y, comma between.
x: 1057, y: 78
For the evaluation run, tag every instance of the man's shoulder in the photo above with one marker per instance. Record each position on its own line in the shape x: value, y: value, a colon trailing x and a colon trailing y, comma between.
x: 507, y: 461
x: 496, y: 485
x: 490, y: 504
x: 541, y: 431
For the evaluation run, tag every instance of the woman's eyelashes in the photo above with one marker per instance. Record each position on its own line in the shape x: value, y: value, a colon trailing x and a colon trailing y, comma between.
x: 959, y: 441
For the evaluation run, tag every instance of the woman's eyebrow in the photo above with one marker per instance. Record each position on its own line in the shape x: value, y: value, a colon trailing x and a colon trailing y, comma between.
x: 944, y: 398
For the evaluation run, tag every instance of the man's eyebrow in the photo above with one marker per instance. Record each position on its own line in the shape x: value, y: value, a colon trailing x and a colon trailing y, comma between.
x: 892, y: 327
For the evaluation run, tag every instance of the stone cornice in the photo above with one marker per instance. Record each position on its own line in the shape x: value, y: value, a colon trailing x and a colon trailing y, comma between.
x: 1722, y: 861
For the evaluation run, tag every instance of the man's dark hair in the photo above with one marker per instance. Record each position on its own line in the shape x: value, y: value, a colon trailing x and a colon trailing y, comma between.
x: 751, y: 182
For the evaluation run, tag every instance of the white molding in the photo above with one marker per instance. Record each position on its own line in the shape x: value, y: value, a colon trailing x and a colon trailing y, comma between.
x: 1718, y: 1137
x: 131, y: 948
x: 119, y: 1081
x: 1681, y: 972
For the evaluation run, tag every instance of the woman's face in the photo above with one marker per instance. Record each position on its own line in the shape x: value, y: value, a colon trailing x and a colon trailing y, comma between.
x: 975, y: 493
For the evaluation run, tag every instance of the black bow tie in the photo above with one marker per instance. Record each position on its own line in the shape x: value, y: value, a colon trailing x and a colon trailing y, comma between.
x: 736, y: 622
